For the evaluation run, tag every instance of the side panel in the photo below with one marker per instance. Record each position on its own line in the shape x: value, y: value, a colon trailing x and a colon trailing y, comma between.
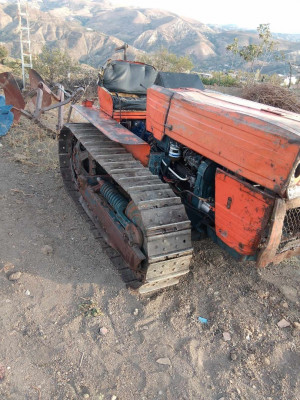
x: 105, y: 101
x: 106, y: 106
x: 242, y: 213
x: 261, y: 148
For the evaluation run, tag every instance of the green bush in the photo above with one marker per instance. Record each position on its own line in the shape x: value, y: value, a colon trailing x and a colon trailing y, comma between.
x: 220, y: 79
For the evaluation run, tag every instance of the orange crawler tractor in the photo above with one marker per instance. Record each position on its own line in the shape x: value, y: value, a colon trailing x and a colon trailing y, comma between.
x: 162, y: 156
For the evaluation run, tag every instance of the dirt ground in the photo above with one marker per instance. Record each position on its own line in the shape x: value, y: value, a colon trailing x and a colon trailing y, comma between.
x: 69, y: 328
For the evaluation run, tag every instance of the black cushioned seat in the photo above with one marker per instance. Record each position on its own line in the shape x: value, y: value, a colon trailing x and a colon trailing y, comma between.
x: 128, y: 78
x: 129, y: 103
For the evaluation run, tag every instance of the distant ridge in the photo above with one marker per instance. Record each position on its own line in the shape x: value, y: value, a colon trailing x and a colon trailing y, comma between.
x: 90, y: 30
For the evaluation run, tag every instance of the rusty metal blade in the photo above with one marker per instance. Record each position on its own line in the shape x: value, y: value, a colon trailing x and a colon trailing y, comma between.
x: 35, y: 79
x: 13, y: 95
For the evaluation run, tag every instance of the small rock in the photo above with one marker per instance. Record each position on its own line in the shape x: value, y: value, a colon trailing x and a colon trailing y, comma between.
x: 103, y: 331
x: 27, y: 293
x: 160, y: 392
x: 8, y: 266
x: 50, y: 201
x: 285, y: 305
x: 47, y: 249
x: 233, y: 355
x: 262, y: 294
x: 20, y: 157
x: 267, y: 361
x: 296, y: 325
x: 283, y: 323
x: 86, y: 396
x: 1, y: 145
x: 136, y: 312
x: 163, y: 361
x: 113, y: 397
x: 145, y: 328
x: 2, y: 372
x: 226, y: 336
x: 15, y: 276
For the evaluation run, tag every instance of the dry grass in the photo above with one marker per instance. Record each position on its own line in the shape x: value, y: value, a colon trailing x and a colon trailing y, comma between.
x: 272, y: 95
x: 31, y: 145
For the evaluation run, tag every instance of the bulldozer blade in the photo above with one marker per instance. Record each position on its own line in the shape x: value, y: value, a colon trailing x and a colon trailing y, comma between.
x: 35, y: 79
x: 13, y: 95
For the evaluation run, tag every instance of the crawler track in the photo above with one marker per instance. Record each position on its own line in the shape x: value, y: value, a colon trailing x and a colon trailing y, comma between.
x: 161, y: 215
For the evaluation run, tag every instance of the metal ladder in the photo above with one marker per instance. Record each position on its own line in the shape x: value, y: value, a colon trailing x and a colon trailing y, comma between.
x: 25, y: 44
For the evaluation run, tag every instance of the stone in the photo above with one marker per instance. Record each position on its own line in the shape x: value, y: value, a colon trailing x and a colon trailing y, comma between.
x: 283, y: 323
x: 8, y: 266
x: 47, y: 249
x: 15, y: 276
x: 136, y: 312
x: 267, y: 361
x: 226, y: 336
x: 163, y: 361
x: 113, y: 397
x: 2, y: 372
x: 103, y: 331
x: 297, y: 325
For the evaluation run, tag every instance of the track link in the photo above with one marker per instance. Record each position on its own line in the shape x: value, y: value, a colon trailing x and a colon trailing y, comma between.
x: 162, y: 217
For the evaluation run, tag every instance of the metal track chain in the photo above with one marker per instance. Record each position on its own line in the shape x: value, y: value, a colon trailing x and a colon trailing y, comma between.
x: 165, y: 225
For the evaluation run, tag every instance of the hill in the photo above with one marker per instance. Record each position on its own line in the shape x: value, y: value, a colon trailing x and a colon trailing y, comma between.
x: 90, y: 30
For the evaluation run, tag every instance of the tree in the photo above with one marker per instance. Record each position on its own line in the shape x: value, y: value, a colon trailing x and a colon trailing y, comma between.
x: 3, y: 53
x: 261, y: 53
x: 162, y: 60
x: 53, y: 64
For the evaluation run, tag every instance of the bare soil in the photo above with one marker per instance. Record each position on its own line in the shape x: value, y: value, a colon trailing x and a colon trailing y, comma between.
x: 51, y: 346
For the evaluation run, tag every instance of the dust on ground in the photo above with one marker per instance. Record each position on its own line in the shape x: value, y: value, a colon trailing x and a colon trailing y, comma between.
x: 69, y: 328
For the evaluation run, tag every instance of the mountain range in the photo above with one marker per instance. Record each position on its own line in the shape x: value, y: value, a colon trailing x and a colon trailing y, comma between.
x: 90, y: 30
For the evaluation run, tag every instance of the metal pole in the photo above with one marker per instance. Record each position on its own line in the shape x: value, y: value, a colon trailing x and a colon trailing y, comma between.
x: 26, y: 57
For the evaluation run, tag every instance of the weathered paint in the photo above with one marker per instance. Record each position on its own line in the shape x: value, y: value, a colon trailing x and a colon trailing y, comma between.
x: 116, y: 132
x: 242, y: 213
x: 106, y: 105
x: 258, y: 145
x: 13, y: 95
x: 35, y: 80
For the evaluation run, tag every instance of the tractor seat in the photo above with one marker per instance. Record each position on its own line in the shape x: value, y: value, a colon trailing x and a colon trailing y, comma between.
x: 127, y: 82
x: 121, y: 102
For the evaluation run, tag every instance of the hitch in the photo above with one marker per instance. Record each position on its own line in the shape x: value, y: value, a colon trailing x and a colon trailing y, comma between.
x: 41, y: 96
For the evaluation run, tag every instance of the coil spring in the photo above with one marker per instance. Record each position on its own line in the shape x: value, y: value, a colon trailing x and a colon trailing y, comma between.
x: 114, y: 198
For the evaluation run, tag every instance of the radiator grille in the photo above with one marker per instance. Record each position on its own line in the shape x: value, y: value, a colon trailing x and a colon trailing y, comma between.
x: 291, y: 225
x: 291, y: 230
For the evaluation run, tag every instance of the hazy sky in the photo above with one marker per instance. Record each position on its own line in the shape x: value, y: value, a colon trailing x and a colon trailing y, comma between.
x: 284, y: 17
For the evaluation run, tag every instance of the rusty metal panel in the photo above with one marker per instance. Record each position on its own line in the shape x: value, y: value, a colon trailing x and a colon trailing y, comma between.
x: 13, y: 95
x: 253, y: 142
x: 242, y: 213
x: 109, y: 126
